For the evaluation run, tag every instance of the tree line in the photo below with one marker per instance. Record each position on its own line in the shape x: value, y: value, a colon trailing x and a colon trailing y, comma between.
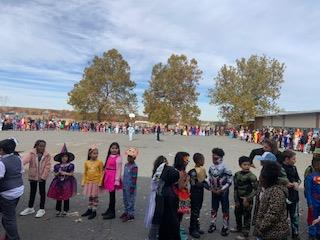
x: 241, y: 91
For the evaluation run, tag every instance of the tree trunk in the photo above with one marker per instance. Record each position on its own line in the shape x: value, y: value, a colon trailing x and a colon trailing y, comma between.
x: 99, y: 115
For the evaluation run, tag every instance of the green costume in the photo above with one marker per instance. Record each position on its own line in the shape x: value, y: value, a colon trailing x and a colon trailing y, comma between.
x: 245, y: 185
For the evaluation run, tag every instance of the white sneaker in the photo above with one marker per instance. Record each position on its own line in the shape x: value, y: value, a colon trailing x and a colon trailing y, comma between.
x: 40, y: 213
x: 27, y: 211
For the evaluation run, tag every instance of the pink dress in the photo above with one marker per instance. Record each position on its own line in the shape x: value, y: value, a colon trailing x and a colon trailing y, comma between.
x: 112, y: 173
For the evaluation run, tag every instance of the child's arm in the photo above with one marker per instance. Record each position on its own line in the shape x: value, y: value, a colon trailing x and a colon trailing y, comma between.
x: 47, y: 168
x: 84, y: 176
x: 26, y: 158
x: 71, y: 171
x: 228, y: 174
x: 118, y: 171
x: 308, y: 190
x: 254, y: 185
x: 236, y: 193
x: 193, y: 177
x: 56, y: 169
x: 101, y: 168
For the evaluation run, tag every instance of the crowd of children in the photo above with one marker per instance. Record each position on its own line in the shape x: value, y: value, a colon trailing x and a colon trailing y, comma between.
x: 262, y: 206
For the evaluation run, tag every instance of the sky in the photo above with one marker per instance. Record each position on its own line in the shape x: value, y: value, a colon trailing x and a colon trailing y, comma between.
x: 46, y: 44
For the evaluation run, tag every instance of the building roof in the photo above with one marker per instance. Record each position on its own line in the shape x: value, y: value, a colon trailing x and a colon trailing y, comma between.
x: 288, y: 113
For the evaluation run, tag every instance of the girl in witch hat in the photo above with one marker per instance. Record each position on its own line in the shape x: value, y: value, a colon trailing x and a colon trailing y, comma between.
x: 64, y: 184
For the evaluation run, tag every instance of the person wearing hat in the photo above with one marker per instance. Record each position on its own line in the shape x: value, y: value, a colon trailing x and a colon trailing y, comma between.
x: 64, y: 184
x: 11, y: 187
x: 39, y: 161
x: 130, y: 177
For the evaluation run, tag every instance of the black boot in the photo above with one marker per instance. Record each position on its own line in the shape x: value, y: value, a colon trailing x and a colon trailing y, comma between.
x: 105, y: 213
x: 224, y: 232
x: 194, y: 234
x: 110, y: 215
x: 87, y: 213
x: 92, y: 215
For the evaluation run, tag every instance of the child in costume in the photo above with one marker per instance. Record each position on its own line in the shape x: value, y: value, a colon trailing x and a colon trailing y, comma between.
x: 198, y: 182
x: 91, y: 181
x: 112, y: 178
x: 130, y: 177
x: 64, y: 184
x: 39, y: 161
x: 220, y: 178
x: 158, y: 167
x: 245, y: 188
x: 293, y: 187
x: 181, y: 161
x: 312, y: 191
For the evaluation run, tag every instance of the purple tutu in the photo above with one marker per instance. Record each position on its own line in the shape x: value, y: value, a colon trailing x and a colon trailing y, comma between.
x: 63, y: 187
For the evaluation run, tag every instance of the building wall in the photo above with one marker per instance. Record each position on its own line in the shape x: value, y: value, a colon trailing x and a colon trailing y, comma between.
x: 277, y: 121
x: 301, y: 121
x: 267, y: 121
x: 307, y: 120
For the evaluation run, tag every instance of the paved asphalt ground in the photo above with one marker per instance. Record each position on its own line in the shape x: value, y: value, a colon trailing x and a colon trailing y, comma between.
x: 72, y: 227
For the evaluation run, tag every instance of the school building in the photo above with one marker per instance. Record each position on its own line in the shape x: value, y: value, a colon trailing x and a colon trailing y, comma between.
x: 302, y: 120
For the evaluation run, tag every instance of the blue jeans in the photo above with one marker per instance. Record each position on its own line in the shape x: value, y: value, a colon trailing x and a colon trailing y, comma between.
x: 9, y: 221
x: 128, y: 201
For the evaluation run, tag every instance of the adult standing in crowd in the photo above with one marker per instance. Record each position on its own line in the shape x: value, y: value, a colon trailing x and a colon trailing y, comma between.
x: 271, y: 221
x: 158, y: 131
x: 11, y: 187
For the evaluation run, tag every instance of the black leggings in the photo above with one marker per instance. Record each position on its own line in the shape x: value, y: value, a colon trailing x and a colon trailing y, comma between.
x: 66, y: 205
x: 112, y: 201
x: 33, y: 191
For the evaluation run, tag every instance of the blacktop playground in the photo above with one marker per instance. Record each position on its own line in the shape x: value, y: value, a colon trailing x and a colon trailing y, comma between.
x: 73, y: 227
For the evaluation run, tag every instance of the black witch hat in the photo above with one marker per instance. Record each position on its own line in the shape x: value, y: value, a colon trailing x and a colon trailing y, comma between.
x: 64, y: 151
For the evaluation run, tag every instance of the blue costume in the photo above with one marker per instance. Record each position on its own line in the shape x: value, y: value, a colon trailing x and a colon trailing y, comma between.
x: 312, y: 184
x: 129, y: 187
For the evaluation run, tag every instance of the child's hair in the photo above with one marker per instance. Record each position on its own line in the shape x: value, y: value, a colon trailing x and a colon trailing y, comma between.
x: 315, y: 159
x: 270, y: 173
x: 288, y: 154
x: 197, y: 157
x: 8, y: 146
x: 161, y: 159
x: 90, y: 151
x: 38, y: 142
x: 179, y: 161
x: 218, y: 151
x: 244, y: 159
x: 272, y: 144
x: 109, y: 151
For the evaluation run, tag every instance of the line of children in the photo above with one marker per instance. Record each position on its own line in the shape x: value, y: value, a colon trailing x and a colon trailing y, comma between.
x: 108, y: 175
